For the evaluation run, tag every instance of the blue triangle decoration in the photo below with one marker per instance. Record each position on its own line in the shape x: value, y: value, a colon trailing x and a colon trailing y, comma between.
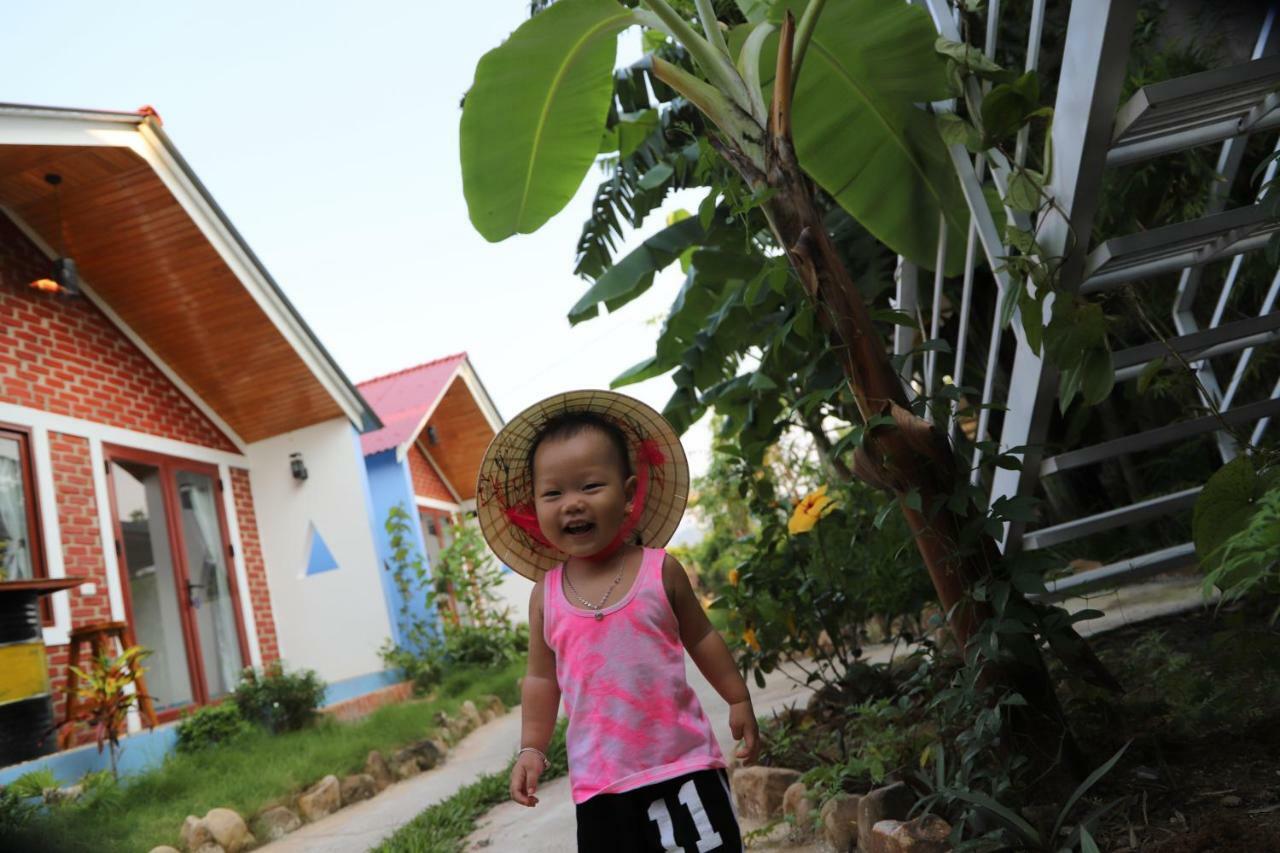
x: 320, y: 558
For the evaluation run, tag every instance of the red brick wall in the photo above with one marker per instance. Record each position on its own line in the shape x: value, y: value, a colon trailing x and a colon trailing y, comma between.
x: 362, y: 706
x: 81, y: 544
x: 254, y: 566
x: 63, y: 355
x: 426, y: 482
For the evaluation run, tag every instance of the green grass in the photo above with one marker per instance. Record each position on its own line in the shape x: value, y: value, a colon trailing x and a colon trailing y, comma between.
x: 443, y: 827
x: 148, y: 809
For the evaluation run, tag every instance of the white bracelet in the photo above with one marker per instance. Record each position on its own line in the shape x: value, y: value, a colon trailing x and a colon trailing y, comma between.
x: 546, y: 763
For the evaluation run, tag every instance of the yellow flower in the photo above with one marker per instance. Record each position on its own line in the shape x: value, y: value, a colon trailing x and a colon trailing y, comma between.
x: 733, y: 577
x: 809, y: 510
x: 749, y: 637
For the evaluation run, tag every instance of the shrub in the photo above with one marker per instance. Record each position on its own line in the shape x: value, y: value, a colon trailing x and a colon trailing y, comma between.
x: 210, y: 726
x: 422, y: 668
x: 279, y: 701
x: 812, y: 578
x: 496, y: 646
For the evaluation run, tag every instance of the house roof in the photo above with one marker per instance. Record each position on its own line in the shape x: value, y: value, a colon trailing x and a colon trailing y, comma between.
x: 402, y: 401
x: 447, y: 395
x: 159, y: 256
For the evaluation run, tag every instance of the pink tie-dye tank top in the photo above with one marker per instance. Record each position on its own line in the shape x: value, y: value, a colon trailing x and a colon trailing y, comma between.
x: 633, y: 718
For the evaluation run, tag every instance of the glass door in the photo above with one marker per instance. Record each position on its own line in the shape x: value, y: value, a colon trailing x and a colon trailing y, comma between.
x: 179, y: 591
x: 155, y: 590
x: 211, y: 599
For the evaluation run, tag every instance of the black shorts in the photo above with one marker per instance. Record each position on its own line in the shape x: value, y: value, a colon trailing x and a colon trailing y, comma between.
x: 691, y: 813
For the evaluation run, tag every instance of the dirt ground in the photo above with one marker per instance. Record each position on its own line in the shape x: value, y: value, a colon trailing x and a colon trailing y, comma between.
x: 1202, y: 772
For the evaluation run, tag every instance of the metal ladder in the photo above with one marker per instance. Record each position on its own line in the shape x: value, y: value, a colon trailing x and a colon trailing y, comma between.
x: 1090, y: 134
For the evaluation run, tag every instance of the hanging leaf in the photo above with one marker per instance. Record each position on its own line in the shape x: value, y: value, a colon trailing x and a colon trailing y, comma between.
x: 859, y: 135
x: 1097, y: 375
x: 1024, y: 191
x: 534, y: 117
x: 656, y: 176
x: 633, y: 129
x: 1224, y: 508
x: 633, y: 275
x: 754, y: 11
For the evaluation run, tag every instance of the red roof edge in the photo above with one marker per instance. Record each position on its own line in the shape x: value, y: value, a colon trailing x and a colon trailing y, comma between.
x: 404, y: 370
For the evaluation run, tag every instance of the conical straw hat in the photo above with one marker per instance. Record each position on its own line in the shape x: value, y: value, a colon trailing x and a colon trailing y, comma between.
x: 505, y: 479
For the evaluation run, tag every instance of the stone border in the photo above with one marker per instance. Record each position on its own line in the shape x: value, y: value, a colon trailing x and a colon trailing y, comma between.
x: 222, y: 830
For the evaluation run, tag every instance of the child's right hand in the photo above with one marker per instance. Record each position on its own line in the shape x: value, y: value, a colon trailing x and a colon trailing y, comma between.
x: 524, y: 779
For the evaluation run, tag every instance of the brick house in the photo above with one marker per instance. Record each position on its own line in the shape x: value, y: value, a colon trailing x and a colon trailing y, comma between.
x: 170, y: 429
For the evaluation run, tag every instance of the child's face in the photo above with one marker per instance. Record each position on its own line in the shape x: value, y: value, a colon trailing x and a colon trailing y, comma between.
x: 579, y: 492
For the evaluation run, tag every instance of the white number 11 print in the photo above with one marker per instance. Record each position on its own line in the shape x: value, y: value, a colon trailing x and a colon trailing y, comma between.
x: 708, y: 838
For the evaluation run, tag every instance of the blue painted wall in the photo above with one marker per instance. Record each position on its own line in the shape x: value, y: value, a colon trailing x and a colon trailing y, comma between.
x: 390, y: 485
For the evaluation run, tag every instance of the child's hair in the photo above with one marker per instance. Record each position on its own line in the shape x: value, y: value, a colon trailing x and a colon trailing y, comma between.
x: 568, y: 424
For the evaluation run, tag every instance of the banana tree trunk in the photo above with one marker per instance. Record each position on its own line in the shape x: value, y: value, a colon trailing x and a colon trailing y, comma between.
x: 911, y: 456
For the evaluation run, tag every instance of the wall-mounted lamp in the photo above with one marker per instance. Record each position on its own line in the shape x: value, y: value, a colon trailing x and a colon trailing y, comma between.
x: 297, y: 467
x: 64, y: 278
x: 432, y: 437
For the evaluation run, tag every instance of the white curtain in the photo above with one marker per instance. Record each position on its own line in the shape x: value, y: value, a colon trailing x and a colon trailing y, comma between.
x: 15, y: 560
x: 213, y: 576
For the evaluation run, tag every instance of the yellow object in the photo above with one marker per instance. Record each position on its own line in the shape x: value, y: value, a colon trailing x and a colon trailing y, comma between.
x: 749, y: 637
x: 23, y: 674
x: 733, y: 577
x: 809, y: 510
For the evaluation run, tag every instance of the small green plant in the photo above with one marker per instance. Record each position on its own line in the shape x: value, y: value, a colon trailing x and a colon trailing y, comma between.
x: 461, y: 587
x: 1016, y: 832
x: 422, y: 668
x: 211, y: 725
x: 1248, y: 560
x: 277, y: 700
x: 33, y: 784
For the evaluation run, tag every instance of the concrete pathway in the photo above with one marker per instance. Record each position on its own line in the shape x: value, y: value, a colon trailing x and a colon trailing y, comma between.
x: 362, y: 826
x: 549, y: 828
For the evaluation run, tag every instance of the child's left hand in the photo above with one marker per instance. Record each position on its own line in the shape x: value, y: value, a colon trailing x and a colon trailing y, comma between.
x: 742, y: 724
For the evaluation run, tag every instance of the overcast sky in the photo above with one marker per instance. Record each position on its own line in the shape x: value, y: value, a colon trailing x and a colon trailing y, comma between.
x: 328, y: 132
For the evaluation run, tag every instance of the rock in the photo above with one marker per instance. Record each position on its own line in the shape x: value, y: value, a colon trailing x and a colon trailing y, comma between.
x: 840, y: 822
x: 376, y: 766
x: 493, y: 703
x: 277, y: 822
x: 210, y: 847
x: 357, y: 787
x: 1231, y: 801
x: 1080, y: 565
x: 164, y: 848
x: 404, y: 764
x: 758, y: 790
x: 926, y: 834
x: 427, y: 753
x: 229, y: 829
x: 488, y: 715
x: 323, y: 798
x: 440, y: 745
x: 195, y: 833
x: 441, y: 719
x: 890, y: 803
x: 470, y: 714
x: 62, y: 796
x: 797, y: 806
